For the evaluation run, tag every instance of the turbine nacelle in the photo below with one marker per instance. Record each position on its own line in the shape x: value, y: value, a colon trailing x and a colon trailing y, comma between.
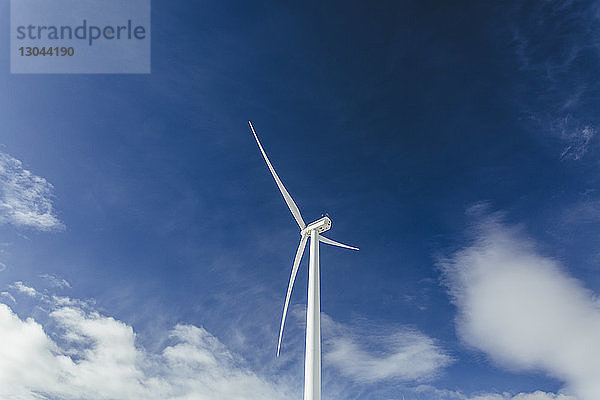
x: 320, y: 225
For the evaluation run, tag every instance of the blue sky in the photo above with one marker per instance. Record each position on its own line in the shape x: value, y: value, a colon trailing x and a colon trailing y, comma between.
x: 144, y: 243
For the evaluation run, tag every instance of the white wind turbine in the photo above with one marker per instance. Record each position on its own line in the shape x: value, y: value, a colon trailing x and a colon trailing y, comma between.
x: 312, y: 358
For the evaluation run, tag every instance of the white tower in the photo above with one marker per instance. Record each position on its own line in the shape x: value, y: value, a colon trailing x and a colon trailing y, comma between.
x: 312, y: 355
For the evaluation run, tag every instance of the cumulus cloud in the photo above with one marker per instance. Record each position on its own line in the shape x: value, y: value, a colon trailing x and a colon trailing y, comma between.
x: 77, y: 352
x: 381, y: 354
x: 434, y: 393
x: 524, y: 396
x: 528, y: 396
x: 22, y: 288
x: 25, y: 198
x: 523, y: 309
x: 93, y: 356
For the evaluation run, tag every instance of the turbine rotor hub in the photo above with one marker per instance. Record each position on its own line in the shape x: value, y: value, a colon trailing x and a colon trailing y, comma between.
x: 320, y: 225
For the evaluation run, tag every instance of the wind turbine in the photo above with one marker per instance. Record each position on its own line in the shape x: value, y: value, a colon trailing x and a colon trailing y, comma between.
x: 312, y: 355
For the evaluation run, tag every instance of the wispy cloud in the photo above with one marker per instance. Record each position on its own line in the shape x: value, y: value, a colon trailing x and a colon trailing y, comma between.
x: 432, y: 392
x: 78, y: 352
x: 523, y: 310
x: 584, y: 211
x: 94, y: 356
x: 524, y: 396
x: 21, y: 287
x: 577, y: 139
x: 25, y: 198
x: 378, y: 354
x: 55, y: 281
x: 8, y: 296
x: 559, y: 54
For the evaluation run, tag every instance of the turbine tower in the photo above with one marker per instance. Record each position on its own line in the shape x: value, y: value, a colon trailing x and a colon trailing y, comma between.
x: 312, y: 356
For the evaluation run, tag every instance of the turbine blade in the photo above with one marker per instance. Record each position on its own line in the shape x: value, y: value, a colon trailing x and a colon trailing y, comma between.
x: 286, y: 196
x: 297, y: 259
x: 334, y: 243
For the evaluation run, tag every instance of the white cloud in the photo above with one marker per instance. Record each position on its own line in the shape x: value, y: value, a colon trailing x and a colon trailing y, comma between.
x: 541, y: 396
x: 92, y: 356
x: 585, y: 211
x: 206, y: 369
x: 25, y: 198
x: 56, y: 282
x: 381, y: 354
x: 96, y: 357
x: 441, y: 394
x: 524, y: 310
x: 578, y: 141
x: 524, y: 396
x: 21, y: 287
x: 8, y: 296
x: 559, y: 106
